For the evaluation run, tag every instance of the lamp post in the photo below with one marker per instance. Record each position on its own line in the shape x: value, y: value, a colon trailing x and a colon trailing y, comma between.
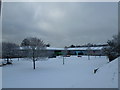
x: 64, y: 54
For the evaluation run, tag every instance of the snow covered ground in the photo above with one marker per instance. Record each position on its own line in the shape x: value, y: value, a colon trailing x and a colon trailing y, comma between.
x: 0, y: 77
x: 77, y: 72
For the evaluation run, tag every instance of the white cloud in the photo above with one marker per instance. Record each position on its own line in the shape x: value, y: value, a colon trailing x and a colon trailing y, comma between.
x: 56, y: 14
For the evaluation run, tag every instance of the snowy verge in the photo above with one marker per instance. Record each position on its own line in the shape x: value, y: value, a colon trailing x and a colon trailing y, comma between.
x: 0, y: 78
x: 108, y: 73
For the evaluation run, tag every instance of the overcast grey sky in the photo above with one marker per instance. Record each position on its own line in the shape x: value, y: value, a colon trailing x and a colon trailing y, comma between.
x: 60, y: 24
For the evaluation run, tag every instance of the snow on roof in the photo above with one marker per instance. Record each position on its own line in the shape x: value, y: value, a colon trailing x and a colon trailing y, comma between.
x: 51, y: 48
x: 23, y: 48
x: 96, y: 48
x: 80, y: 48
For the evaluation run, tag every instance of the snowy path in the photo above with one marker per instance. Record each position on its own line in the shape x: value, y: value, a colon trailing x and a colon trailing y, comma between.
x: 76, y: 73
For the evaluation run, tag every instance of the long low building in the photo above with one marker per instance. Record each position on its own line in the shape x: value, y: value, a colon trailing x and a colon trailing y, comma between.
x: 73, y: 51
x: 78, y: 51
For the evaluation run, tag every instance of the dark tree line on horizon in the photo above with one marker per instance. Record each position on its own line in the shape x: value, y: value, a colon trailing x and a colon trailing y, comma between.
x: 86, y: 45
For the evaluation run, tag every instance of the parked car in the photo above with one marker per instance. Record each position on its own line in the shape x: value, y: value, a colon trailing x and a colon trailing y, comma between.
x: 67, y: 55
x: 52, y: 56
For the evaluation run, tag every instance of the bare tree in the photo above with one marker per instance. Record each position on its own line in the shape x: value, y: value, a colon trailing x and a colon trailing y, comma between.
x: 36, y: 49
x: 113, y: 50
x: 9, y: 50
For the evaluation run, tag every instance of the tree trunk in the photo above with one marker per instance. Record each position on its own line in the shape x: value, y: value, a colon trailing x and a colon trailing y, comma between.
x: 7, y: 60
x: 33, y: 59
x: 63, y: 60
x: 33, y: 64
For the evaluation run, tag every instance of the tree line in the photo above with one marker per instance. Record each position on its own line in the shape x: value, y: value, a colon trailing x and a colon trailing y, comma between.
x: 86, y: 45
